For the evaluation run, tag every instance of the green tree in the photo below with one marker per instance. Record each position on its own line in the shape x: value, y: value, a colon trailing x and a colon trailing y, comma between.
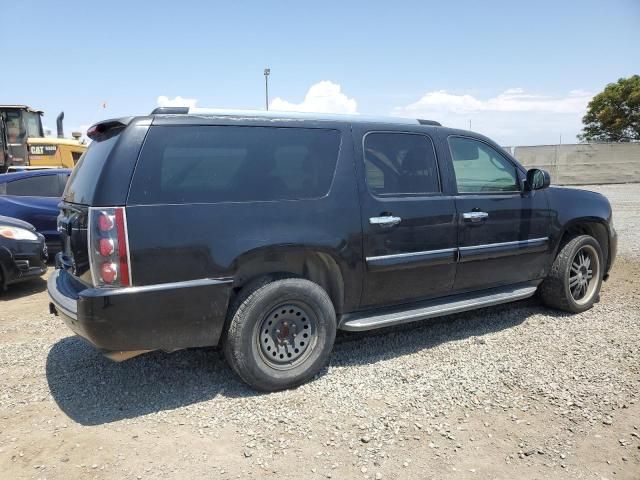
x: 614, y: 114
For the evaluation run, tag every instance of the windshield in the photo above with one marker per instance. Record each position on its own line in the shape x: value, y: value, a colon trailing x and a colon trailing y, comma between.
x: 21, y: 124
x: 33, y: 124
x: 16, y: 132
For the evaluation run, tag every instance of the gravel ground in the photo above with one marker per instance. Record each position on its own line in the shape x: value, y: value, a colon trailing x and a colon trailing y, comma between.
x: 515, y: 390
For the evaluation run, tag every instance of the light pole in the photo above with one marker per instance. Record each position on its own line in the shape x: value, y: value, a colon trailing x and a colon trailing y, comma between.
x: 267, y: 71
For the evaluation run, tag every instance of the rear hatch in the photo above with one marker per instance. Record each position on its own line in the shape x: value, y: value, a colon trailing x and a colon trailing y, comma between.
x: 80, y: 193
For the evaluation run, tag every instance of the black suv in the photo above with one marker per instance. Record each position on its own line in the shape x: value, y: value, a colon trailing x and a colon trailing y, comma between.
x: 266, y: 232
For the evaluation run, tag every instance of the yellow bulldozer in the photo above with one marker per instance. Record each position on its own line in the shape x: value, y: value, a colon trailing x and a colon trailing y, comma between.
x: 23, y: 143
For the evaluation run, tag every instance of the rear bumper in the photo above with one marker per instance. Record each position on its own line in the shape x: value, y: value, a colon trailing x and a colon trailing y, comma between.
x: 166, y: 316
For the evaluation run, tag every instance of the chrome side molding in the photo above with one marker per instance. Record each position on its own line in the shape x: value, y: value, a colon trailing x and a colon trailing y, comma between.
x: 522, y: 243
x: 461, y: 254
x: 407, y: 260
x: 411, y: 254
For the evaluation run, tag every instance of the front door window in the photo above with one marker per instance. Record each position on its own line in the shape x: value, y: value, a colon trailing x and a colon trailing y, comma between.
x: 480, y: 168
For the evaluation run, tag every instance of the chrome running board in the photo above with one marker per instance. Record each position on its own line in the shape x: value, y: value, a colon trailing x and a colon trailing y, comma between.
x: 360, y: 321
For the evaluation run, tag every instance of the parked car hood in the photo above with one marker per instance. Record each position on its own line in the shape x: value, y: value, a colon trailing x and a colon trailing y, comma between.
x: 14, y: 222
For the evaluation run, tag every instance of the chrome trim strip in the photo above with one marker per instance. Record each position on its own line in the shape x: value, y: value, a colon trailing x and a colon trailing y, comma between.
x: 93, y: 269
x: 411, y: 254
x: 126, y: 240
x: 201, y: 282
x: 505, y: 244
x: 461, y: 249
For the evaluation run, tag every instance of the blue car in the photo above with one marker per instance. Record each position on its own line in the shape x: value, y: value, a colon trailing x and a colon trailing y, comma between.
x: 33, y: 196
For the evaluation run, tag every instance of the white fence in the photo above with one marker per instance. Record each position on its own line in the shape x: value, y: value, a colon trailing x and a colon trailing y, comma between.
x: 584, y: 163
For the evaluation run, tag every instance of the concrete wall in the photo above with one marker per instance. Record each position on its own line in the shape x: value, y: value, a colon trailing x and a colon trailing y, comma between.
x: 585, y: 163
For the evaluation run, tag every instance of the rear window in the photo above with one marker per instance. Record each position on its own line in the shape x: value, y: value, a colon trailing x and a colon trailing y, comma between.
x: 83, y: 180
x: 206, y: 164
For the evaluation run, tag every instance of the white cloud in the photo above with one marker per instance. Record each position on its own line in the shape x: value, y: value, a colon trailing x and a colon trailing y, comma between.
x: 322, y: 97
x: 511, y: 100
x: 178, y: 101
x: 512, y: 117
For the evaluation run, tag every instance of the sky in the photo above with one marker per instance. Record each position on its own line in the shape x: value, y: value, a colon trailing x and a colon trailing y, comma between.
x: 519, y: 72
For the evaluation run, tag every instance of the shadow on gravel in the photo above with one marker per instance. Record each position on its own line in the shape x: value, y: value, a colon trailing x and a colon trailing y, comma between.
x: 93, y: 390
x: 23, y: 289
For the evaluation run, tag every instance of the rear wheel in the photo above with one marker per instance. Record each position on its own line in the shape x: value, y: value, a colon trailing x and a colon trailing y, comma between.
x: 281, y: 334
x: 573, y: 284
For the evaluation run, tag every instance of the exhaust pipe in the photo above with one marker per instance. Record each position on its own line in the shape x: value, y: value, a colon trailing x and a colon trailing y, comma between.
x: 59, y: 125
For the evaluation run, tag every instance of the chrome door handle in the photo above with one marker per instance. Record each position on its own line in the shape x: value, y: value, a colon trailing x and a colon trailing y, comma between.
x: 387, y: 221
x: 475, y: 216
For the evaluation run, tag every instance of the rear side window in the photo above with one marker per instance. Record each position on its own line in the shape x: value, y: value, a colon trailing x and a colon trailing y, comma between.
x: 84, y: 178
x: 400, y: 164
x: 205, y: 164
x: 40, y: 186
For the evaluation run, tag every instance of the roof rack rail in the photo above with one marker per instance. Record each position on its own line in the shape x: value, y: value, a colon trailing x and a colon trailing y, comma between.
x: 170, y: 111
x: 429, y: 122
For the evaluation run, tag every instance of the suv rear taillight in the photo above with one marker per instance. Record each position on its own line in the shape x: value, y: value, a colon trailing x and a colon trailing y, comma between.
x: 109, y: 247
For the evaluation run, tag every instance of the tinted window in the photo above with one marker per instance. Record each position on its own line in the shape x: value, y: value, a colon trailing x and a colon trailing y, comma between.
x: 32, y: 121
x: 16, y: 132
x: 84, y: 177
x: 400, y: 163
x: 227, y: 163
x: 480, y: 168
x: 62, y: 182
x: 40, y: 186
x: 75, y: 156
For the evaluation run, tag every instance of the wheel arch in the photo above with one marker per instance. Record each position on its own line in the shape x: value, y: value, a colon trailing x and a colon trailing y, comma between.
x: 593, y: 226
x: 315, y: 265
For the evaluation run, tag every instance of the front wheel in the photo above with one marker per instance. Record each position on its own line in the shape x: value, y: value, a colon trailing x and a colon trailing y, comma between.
x: 573, y: 284
x: 281, y: 334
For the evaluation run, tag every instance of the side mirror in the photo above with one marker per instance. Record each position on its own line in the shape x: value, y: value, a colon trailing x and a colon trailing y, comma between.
x: 537, y: 179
